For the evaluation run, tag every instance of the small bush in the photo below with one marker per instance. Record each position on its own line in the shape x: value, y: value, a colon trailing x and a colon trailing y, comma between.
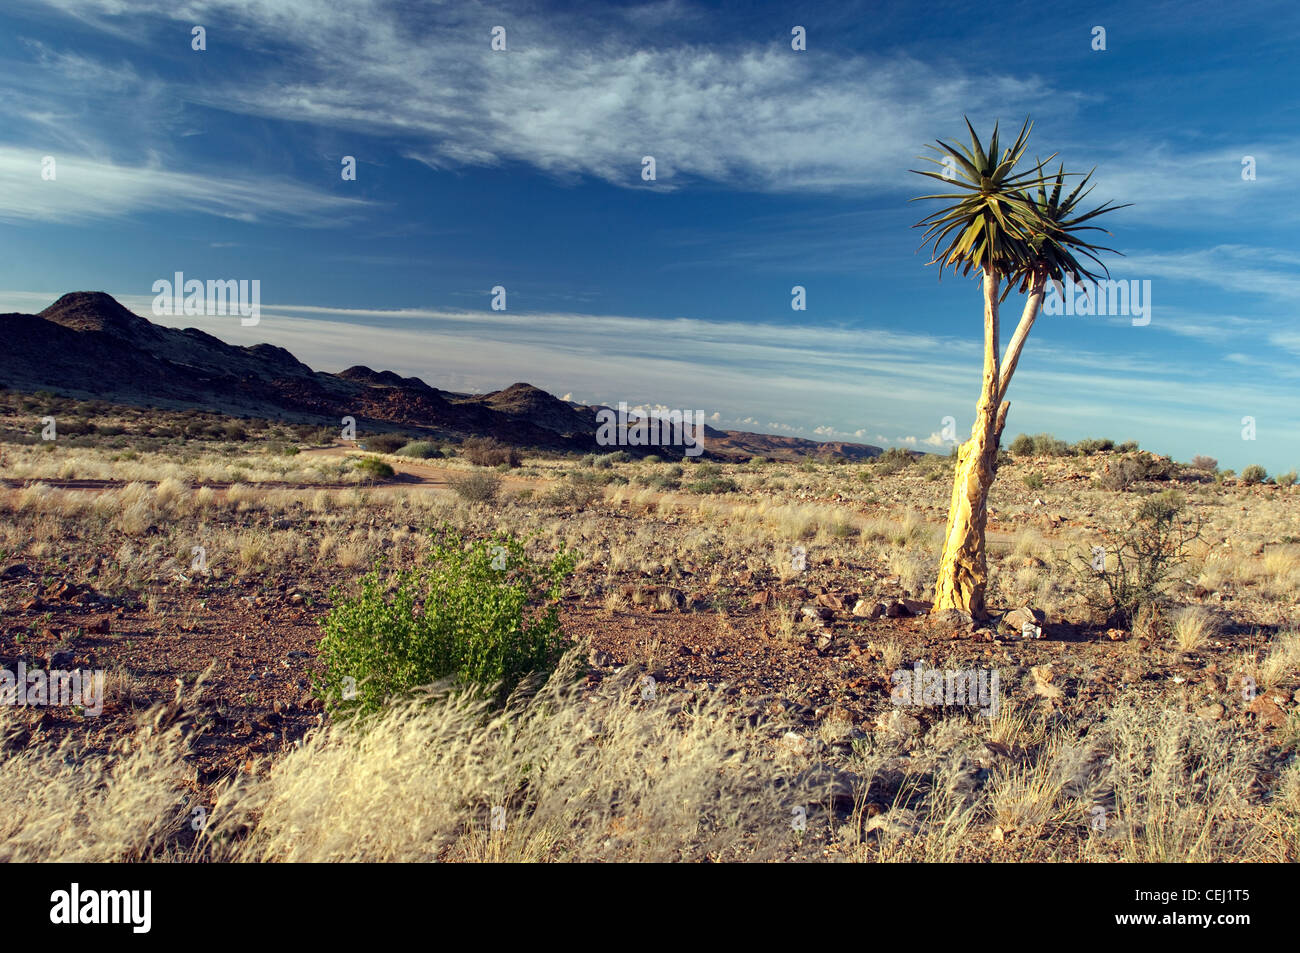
x: 1128, y: 446
x: 1253, y: 474
x: 1045, y: 445
x: 385, y: 442
x: 578, y: 494
x: 1286, y: 479
x: 1022, y: 446
x: 605, y: 461
x: 374, y: 468
x: 420, y: 450
x: 1200, y: 462
x: 893, y: 460
x: 478, y: 487
x: 1140, y: 559
x: 1121, y: 474
x: 1034, y: 481
x: 1087, y: 448
x: 714, y: 484
x: 483, y: 616
x: 486, y: 452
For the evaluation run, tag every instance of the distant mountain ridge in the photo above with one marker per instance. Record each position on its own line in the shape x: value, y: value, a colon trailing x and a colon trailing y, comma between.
x: 87, y: 344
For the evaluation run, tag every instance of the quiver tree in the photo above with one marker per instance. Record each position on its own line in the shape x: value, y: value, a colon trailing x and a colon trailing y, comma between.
x: 1005, y: 224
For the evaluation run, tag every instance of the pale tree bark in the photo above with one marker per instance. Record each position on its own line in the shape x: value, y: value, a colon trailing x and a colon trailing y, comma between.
x: 963, y: 570
x: 1033, y: 305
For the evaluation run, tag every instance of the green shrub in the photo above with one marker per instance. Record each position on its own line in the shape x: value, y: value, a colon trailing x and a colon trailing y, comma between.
x: 1286, y: 479
x: 481, y: 486
x: 1128, y: 446
x: 1034, y: 481
x: 1045, y: 445
x: 420, y: 450
x: 1022, y: 446
x: 1200, y: 462
x: 893, y: 460
x: 374, y: 469
x: 605, y: 461
x: 714, y: 484
x: 598, y: 479
x: 1253, y: 474
x: 653, y: 458
x: 482, y: 616
x: 1090, y: 446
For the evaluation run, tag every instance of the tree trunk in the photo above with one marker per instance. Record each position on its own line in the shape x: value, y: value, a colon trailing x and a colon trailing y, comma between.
x: 1032, y: 305
x: 963, y: 570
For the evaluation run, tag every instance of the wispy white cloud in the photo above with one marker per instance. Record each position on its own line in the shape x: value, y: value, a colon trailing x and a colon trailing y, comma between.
x: 88, y: 190
x: 757, y: 115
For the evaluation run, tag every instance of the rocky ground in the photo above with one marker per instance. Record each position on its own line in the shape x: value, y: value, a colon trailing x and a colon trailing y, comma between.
x: 794, y: 598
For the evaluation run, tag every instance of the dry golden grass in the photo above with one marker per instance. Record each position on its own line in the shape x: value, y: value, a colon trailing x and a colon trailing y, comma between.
x: 1193, y: 627
x: 1282, y: 663
x: 64, y: 805
x: 556, y: 778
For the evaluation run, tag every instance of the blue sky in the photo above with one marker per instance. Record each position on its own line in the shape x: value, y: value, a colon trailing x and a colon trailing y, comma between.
x: 775, y: 168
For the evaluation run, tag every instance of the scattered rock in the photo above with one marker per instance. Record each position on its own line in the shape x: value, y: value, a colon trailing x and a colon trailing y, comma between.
x: 1043, y: 687
x: 864, y: 609
x: 817, y: 613
x: 794, y: 742
x: 1211, y: 712
x: 59, y: 658
x: 1267, y: 709
x: 16, y: 571
x: 100, y: 626
x: 949, y: 618
x: 1025, y: 621
x: 826, y: 787
x: 896, y: 610
x: 896, y: 823
x: 896, y: 722
x: 760, y: 598
x: 831, y: 601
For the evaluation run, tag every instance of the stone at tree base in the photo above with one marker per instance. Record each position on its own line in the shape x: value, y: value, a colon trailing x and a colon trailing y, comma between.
x: 1016, y: 620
